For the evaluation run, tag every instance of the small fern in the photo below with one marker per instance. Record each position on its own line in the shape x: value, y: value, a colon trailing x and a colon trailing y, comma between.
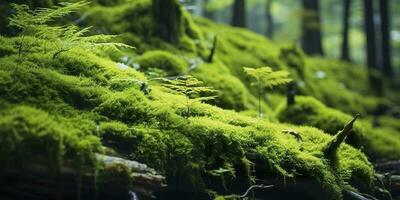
x: 265, y: 77
x: 35, y: 24
x: 189, y: 87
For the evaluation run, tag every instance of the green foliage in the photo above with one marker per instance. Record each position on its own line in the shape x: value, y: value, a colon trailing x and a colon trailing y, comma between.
x: 29, y: 134
x: 189, y: 87
x: 79, y: 99
x: 123, y: 106
x: 218, y: 4
x: 163, y: 60
x: 265, y: 77
x: 35, y: 30
x: 117, y: 135
x: 311, y: 112
x: 294, y: 58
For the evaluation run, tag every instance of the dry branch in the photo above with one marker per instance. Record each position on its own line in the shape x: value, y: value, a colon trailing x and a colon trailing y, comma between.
x: 332, y: 147
x: 254, y: 187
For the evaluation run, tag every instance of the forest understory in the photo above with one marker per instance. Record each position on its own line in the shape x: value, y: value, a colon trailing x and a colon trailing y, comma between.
x: 136, y: 99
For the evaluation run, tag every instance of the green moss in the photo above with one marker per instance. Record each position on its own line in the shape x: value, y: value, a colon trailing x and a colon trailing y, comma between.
x: 115, y: 179
x: 294, y: 58
x: 6, y: 46
x: 129, y: 106
x: 232, y: 94
x: 66, y: 107
x: 29, y: 134
x: 163, y: 60
x: 309, y: 111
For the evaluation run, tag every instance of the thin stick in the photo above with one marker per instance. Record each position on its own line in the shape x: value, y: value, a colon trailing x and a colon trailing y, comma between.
x: 254, y: 187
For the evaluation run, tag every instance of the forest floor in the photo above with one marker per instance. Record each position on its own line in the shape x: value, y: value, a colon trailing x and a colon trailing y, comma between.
x: 101, y: 123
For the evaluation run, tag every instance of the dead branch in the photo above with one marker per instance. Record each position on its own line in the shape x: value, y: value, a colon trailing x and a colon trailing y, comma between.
x: 332, y: 147
x: 254, y: 187
x: 358, y: 196
x: 213, y: 48
x: 295, y: 134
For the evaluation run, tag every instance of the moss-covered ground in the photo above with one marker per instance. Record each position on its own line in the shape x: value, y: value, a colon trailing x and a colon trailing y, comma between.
x: 61, y: 111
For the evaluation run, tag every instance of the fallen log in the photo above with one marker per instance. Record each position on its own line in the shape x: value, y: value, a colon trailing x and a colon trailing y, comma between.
x: 389, y: 166
x: 34, y: 181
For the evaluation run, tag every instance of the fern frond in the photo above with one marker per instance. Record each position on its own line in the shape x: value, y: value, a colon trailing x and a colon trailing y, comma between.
x: 44, y: 15
x: 59, y: 38
x: 267, y: 77
x: 189, y: 87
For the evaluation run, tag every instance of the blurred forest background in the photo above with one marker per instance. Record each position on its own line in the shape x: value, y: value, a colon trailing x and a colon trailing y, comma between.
x: 351, y: 30
x: 364, y: 32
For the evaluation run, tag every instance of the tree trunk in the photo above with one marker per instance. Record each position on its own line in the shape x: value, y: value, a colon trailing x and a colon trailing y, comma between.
x: 311, y: 28
x: 374, y: 76
x: 239, y: 13
x: 199, y: 4
x: 270, y: 22
x: 385, y: 27
x: 370, y: 34
x: 167, y: 16
x: 345, y: 32
x: 206, y: 12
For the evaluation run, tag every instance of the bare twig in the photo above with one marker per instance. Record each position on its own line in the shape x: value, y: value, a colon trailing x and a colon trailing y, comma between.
x: 254, y: 187
x: 295, y: 134
x: 212, y: 52
x: 359, y: 196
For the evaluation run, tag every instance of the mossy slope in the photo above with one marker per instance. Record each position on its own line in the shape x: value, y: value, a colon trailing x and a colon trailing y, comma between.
x: 81, y: 103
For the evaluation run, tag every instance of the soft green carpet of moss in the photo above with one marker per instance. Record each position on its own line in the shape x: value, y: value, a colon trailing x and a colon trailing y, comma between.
x: 81, y: 103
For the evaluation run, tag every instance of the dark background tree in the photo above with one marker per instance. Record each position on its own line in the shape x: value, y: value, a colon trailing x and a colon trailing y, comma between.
x: 6, y: 11
x: 369, y: 27
x: 207, y: 12
x: 311, y: 28
x: 239, y: 13
x: 167, y: 15
x: 345, y: 31
x: 385, y: 38
x: 269, y: 18
x: 374, y: 75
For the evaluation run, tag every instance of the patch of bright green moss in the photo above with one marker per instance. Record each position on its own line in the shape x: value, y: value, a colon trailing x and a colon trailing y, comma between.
x: 82, y: 98
x: 28, y: 134
x: 163, y: 60
x: 311, y: 112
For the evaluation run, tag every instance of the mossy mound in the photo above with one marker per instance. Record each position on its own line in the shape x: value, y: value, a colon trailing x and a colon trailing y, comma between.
x: 163, y: 60
x: 82, y: 102
x: 32, y: 135
x: 311, y: 112
x: 213, y: 144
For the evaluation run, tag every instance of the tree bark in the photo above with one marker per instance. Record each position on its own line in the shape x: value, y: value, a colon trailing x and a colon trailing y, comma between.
x: 239, y: 13
x: 206, y: 12
x: 270, y: 21
x: 370, y: 34
x: 345, y: 32
x: 167, y: 16
x: 385, y: 30
x: 199, y: 7
x: 311, y: 28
